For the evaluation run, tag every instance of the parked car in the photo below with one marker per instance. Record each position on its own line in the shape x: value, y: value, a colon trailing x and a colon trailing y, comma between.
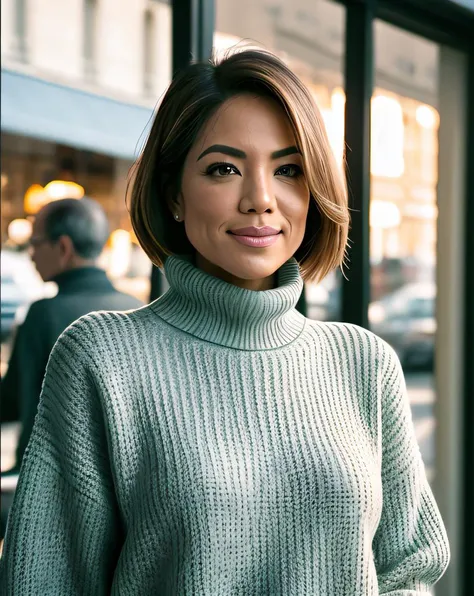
x: 21, y: 285
x: 406, y: 320
x: 12, y: 297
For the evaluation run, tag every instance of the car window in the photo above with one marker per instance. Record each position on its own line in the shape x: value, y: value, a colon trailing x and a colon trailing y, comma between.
x: 422, y: 308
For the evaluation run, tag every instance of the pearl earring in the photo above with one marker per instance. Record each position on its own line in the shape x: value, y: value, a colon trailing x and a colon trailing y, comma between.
x: 176, y: 216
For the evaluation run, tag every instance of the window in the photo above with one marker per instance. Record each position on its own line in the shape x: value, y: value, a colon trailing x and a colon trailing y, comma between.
x: 90, y: 38
x: 149, y: 53
x: 403, y: 214
x: 20, y: 30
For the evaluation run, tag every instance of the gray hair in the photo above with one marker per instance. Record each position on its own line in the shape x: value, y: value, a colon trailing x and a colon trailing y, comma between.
x: 83, y: 221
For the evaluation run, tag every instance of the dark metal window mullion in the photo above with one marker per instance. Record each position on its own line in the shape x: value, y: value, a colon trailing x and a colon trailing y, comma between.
x: 192, y: 40
x: 359, y: 68
x: 468, y: 409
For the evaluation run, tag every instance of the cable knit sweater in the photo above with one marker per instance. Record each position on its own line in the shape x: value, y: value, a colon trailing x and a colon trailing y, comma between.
x: 218, y: 443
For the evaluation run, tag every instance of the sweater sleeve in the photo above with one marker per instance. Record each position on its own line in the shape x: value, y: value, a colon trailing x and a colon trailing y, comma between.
x: 411, y: 549
x: 63, y: 533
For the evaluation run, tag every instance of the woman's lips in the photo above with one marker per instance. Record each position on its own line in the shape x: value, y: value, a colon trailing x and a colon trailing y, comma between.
x: 257, y: 241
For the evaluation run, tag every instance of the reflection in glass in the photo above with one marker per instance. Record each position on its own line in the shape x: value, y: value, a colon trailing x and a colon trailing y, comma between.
x: 403, y: 214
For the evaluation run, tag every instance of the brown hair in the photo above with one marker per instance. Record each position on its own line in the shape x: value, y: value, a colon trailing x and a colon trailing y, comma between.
x: 192, y: 98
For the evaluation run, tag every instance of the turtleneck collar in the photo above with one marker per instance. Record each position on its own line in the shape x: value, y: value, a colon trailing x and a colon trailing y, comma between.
x: 219, y: 312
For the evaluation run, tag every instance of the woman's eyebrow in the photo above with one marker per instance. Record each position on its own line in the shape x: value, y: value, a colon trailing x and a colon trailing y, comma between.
x: 284, y: 152
x: 234, y: 152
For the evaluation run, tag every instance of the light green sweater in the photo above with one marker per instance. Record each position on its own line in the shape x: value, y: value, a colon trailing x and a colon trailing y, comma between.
x: 218, y: 443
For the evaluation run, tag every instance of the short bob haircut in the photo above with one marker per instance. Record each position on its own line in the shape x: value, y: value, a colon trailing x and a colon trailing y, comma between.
x: 193, y: 97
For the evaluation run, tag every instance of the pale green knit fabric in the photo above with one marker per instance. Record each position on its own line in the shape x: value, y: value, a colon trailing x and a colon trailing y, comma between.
x: 218, y: 443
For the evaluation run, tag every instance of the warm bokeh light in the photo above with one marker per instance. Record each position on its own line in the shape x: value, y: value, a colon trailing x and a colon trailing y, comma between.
x: 384, y: 214
x: 387, y: 131
x: 427, y: 117
x: 35, y: 198
x: 19, y: 231
x: 387, y: 137
x: 63, y: 189
x: 334, y: 121
x: 120, y: 253
x: 133, y: 237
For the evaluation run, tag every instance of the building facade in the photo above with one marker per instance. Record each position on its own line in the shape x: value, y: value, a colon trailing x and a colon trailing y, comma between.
x: 80, y: 80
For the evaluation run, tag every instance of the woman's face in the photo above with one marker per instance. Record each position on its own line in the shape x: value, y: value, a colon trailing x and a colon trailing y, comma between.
x: 244, y: 198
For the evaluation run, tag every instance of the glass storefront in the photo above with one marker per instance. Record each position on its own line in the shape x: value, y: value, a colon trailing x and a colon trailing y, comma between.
x: 403, y: 215
x: 309, y: 37
x: 29, y: 164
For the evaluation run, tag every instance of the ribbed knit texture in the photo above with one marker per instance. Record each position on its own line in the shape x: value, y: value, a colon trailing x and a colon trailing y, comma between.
x: 218, y: 443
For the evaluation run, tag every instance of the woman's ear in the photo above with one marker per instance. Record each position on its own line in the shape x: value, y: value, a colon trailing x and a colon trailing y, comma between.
x: 176, y: 206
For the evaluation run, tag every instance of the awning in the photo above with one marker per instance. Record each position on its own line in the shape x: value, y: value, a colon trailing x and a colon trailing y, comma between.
x: 56, y: 113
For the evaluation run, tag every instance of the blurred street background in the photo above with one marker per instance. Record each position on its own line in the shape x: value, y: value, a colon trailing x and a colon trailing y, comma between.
x: 80, y: 81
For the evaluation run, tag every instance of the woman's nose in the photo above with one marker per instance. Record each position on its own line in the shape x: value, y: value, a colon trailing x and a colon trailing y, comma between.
x: 258, y: 197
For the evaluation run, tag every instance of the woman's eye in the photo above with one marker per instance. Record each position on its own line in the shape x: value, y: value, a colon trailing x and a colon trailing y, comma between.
x: 220, y: 170
x: 289, y: 171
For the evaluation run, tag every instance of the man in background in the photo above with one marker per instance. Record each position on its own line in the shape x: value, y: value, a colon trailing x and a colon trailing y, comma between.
x: 67, y: 240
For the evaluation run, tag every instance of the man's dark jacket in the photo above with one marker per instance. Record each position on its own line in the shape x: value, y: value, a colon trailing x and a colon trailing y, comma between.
x: 80, y: 291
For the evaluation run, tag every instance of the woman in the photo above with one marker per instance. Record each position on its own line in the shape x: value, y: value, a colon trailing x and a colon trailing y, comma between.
x: 217, y: 442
